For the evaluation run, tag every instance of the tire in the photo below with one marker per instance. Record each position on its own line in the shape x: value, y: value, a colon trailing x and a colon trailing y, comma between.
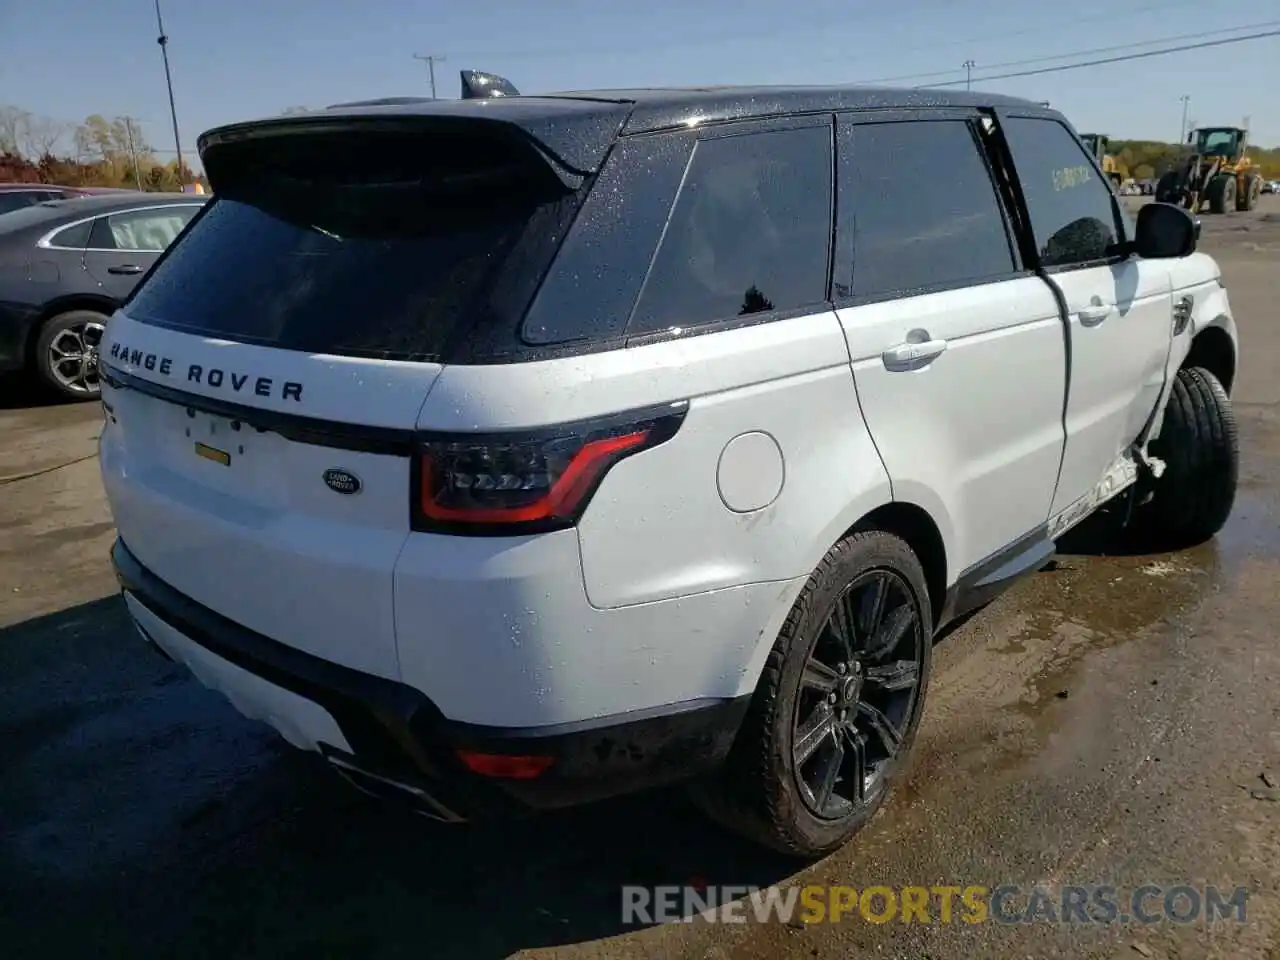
x: 1200, y: 449
x: 1221, y: 193
x: 1167, y: 189
x: 75, y: 336
x: 1248, y: 199
x: 759, y: 792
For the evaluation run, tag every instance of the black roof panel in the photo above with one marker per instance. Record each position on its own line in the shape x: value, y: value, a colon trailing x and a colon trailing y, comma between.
x: 576, y: 126
x: 660, y: 108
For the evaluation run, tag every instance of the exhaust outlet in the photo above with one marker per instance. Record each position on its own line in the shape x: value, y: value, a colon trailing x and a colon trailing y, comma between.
x: 387, y: 788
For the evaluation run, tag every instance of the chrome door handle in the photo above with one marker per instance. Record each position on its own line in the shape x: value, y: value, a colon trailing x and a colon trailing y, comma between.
x: 1094, y: 315
x: 913, y: 354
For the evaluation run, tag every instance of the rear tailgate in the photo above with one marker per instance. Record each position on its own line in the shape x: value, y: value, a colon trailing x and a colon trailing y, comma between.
x: 263, y: 384
x: 231, y: 503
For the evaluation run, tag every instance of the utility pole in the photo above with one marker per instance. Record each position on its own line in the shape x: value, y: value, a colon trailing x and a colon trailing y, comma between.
x: 432, y: 59
x: 133, y: 153
x: 968, y: 74
x: 168, y: 79
x: 1186, y: 102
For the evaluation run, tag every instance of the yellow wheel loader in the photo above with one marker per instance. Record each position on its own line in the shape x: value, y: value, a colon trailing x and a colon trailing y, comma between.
x: 1217, y: 172
x: 1116, y: 171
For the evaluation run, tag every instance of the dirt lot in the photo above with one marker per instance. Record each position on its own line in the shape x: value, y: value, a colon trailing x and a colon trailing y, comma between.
x: 1107, y: 723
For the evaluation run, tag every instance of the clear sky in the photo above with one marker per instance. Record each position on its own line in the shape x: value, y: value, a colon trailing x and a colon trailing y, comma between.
x: 238, y: 59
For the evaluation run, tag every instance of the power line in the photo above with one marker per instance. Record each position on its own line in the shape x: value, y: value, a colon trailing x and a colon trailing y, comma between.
x: 1120, y: 59
x: 1109, y: 18
x: 1080, y: 53
x: 773, y: 33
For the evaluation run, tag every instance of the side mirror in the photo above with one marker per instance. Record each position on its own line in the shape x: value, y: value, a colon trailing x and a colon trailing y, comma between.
x: 1165, y: 231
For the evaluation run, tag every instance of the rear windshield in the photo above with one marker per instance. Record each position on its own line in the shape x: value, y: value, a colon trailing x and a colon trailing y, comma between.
x: 358, y: 259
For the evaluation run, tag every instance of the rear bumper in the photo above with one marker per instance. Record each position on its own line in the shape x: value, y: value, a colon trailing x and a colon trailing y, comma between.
x: 388, y: 733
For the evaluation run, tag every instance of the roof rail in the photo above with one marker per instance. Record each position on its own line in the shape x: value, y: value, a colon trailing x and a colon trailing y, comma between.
x: 477, y: 85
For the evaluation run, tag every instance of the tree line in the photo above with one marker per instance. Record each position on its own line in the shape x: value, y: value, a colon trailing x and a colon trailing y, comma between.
x: 100, y: 152
x: 1148, y: 159
x: 112, y: 152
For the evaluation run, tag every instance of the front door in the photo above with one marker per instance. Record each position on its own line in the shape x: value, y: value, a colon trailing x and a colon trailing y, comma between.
x: 1119, y: 307
x: 957, y: 349
x: 123, y: 246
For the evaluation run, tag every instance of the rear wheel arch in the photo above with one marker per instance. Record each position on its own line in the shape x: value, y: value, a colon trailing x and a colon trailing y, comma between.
x: 88, y: 301
x: 917, y: 528
x: 1213, y: 350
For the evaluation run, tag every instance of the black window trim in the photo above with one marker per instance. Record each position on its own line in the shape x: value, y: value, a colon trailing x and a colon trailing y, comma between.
x: 1124, y: 250
x: 720, y: 131
x: 848, y: 121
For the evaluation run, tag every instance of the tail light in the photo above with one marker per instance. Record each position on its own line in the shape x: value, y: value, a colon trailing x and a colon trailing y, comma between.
x: 527, y: 482
x: 503, y: 766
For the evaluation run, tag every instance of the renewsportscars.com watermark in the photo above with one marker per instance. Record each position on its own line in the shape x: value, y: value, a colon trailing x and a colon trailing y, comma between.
x: 1009, y: 904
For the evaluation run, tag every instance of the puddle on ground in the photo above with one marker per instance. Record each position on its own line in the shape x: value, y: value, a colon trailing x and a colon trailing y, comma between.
x: 1099, y: 594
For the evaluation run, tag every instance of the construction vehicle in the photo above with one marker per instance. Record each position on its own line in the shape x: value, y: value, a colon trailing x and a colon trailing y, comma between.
x: 1116, y: 171
x: 1217, y: 171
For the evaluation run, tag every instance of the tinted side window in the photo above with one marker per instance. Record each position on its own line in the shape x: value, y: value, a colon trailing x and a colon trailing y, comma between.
x: 75, y: 236
x: 589, y: 293
x: 749, y: 232
x: 1072, y: 213
x: 924, y: 208
x: 17, y: 199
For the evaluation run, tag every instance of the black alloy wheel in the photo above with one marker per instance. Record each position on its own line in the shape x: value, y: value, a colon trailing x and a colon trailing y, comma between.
x: 857, y: 695
x: 837, y: 704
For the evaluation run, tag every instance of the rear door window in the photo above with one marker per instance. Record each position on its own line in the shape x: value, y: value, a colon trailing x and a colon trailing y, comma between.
x: 749, y: 233
x: 1074, y: 215
x: 912, y: 228
x: 354, y: 261
x: 150, y: 230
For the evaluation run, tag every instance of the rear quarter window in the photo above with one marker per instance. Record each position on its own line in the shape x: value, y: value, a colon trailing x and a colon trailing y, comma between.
x: 75, y: 237
x: 749, y: 233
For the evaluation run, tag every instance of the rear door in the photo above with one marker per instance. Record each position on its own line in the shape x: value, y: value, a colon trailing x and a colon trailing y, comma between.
x: 957, y: 347
x: 265, y: 380
x: 123, y: 246
x: 1119, y: 307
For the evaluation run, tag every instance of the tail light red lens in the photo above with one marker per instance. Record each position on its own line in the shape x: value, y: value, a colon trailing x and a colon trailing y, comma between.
x: 528, y: 482
x: 504, y: 766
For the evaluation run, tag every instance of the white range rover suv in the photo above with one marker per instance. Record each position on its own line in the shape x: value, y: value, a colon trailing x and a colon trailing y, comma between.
x: 513, y: 452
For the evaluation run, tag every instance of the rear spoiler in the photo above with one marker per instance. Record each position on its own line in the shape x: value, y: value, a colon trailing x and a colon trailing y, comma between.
x: 477, y: 85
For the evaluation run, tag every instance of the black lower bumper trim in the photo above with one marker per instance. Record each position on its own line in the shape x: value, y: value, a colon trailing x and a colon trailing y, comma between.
x: 397, y: 733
